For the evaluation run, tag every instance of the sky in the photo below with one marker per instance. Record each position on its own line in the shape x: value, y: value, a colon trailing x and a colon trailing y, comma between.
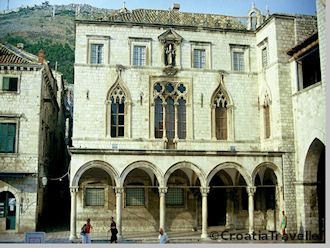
x: 225, y: 7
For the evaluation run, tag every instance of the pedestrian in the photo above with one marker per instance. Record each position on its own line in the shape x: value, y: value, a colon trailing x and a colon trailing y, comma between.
x: 283, y: 226
x: 113, y: 230
x: 163, y: 239
x: 86, y: 229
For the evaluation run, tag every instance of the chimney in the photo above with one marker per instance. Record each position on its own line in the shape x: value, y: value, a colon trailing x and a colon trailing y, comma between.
x: 20, y: 46
x: 41, y: 56
x: 176, y: 7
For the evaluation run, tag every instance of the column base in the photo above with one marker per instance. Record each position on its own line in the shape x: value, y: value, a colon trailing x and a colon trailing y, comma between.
x: 204, y: 236
x: 73, y: 237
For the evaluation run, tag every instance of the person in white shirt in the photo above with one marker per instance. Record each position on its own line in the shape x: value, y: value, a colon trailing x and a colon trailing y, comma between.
x: 163, y: 239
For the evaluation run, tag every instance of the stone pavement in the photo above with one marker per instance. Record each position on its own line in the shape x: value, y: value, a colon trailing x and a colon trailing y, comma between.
x: 178, y: 237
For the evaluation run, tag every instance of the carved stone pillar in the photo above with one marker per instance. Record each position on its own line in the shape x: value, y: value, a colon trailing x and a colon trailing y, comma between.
x: 162, y: 206
x: 251, y: 191
x: 119, y: 192
x: 73, y: 217
x: 204, y: 192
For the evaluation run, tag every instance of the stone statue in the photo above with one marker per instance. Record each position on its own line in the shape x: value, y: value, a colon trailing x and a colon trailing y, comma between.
x: 170, y: 55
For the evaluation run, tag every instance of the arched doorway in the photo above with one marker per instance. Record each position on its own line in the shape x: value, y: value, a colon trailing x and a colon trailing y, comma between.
x: 314, y: 188
x: 183, y: 201
x: 8, y: 209
x: 228, y: 200
x: 266, y: 200
x: 141, y: 202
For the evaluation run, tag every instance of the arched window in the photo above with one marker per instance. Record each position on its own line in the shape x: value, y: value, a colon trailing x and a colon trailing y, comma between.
x: 117, y: 116
x: 182, y: 133
x: 221, y: 119
x: 266, y: 121
x: 158, y: 118
x: 266, y: 116
x: 170, y: 107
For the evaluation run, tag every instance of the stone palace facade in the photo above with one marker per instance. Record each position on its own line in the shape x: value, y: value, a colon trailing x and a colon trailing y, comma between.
x: 190, y: 121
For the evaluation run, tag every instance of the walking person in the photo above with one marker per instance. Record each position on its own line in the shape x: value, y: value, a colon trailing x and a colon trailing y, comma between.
x: 114, y: 231
x: 283, y: 226
x: 86, y: 229
x: 163, y: 239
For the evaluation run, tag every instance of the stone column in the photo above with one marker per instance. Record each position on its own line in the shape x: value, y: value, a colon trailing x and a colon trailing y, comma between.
x: 280, y: 206
x: 73, y: 217
x: 251, y: 191
x: 119, y: 192
x: 162, y: 206
x: 229, y: 209
x: 204, y: 191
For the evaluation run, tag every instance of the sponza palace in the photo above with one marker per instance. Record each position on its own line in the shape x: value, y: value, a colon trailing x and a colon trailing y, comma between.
x: 189, y: 121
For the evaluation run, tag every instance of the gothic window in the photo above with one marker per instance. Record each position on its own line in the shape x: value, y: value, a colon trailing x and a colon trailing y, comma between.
x: 266, y: 121
x: 158, y: 118
x: 182, y: 118
x: 117, y: 117
x: 266, y: 115
x: 170, y: 106
x: 117, y: 111
x: 221, y: 116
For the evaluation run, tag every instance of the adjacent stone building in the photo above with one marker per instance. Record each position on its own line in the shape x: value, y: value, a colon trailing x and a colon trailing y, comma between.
x: 30, y: 137
x: 188, y: 121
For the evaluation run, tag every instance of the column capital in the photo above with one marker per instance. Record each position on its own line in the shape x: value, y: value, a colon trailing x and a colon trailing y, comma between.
x: 204, y: 190
x: 162, y: 190
x: 119, y: 190
x: 251, y: 190
x: 74, y: 189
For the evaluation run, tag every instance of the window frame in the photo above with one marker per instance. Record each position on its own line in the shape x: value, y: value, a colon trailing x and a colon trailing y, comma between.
x: 184, y: 198
x: 2, y: 77
x: 117, y: 114
x: 201, y: 45
x: 145, y: 196
x: 99, y: 58
x: 239, y: 65
x: 238, y: 48
x: 98, y: 40
x: 140, y: 42
x: 13, y: 120
x: 94, y: 188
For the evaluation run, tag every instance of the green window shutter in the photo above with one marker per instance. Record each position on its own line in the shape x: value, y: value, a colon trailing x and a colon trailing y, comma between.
x: 7, y: 137
x: 5, y: 85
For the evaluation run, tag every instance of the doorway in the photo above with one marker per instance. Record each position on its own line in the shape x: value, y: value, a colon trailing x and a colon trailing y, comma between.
x: 8, y: 209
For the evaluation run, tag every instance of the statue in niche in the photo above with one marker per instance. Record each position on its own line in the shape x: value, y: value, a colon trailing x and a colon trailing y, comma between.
x: 170, y: 55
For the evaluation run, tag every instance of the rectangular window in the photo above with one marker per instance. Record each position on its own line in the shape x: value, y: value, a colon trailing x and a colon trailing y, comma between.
x: 135, y: 197
x: 264, y: 57
x: 96, y: 54
x: 117, y: 119
x: 199, y: 58
x: 158, y: 118
x: 221, y: 123
x: 94, y: 196
x: 7, y: 137
x: 175, y: 197
x: 238, y: 61
x: 139, y: 55
x: 10, y: 84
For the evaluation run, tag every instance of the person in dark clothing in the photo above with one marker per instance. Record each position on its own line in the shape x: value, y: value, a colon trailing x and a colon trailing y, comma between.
x: 114, y: 231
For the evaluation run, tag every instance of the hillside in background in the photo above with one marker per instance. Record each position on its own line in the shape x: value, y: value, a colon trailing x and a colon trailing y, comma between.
x: 48, y: 27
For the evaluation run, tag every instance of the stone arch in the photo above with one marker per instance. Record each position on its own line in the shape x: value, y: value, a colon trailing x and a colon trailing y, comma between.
x: 142, y: 165
x: 311, y: 161
x: 12, y: 190
x: 186, y: 165
x: 112, y: 172
x: 229, y: 165
x: 277, y: 171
